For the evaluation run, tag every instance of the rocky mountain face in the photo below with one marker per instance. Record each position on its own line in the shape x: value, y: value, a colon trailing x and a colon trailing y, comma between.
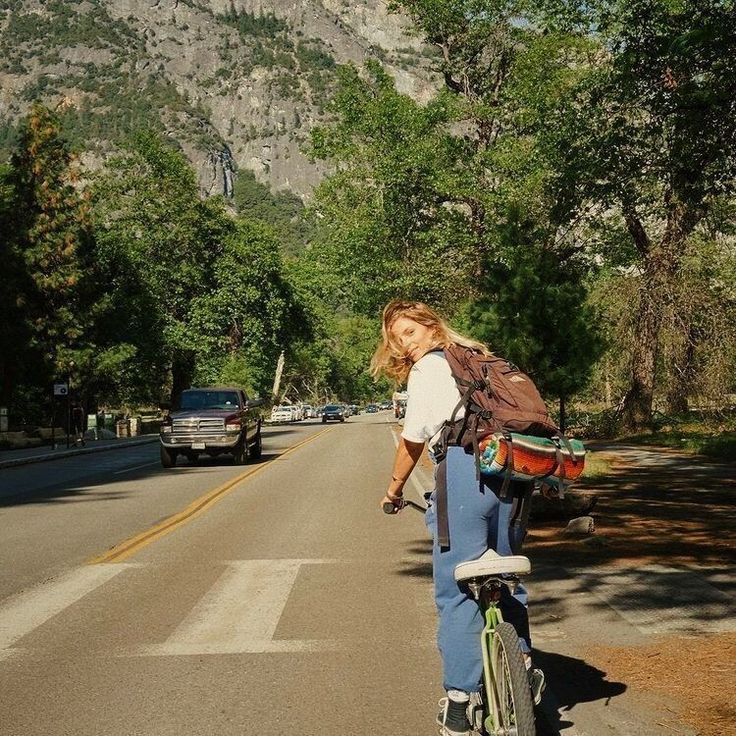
x: 238, y: 83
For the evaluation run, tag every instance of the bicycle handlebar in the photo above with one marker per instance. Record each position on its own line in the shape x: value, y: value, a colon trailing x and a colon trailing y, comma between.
x: 391, y: 508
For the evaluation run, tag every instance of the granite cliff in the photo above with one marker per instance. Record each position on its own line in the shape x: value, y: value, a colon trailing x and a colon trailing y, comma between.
x: 238, y: 83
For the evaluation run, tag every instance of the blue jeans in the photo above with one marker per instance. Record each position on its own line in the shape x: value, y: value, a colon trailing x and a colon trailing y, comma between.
x: 478, y: 520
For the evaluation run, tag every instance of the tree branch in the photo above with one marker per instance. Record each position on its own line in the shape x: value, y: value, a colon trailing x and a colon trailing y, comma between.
x: 637, y: 231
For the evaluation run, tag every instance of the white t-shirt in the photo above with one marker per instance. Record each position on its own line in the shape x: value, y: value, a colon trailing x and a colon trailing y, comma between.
x: 432, y: 397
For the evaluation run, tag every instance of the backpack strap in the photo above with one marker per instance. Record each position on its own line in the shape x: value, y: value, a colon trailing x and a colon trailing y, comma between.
x: 509, y: 465
x: 443, y: 523
x: 560, y: 459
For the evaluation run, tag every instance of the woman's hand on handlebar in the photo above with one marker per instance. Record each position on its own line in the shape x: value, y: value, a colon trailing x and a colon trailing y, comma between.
x: 392, y: 504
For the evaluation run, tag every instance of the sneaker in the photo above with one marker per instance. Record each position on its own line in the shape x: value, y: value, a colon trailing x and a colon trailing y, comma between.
x: 452, y: 724
x: 536, y: 683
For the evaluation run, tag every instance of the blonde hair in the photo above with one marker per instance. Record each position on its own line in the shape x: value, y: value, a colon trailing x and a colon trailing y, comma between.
x: 390, y: 360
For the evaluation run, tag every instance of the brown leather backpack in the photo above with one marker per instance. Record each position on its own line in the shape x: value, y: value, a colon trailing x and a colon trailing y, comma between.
x: 497, y: 396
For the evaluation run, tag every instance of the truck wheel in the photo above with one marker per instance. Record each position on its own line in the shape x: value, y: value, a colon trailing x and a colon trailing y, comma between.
x: 324, y: 420
x: 256, y: 449
x: 168, y: 457
x: 240, y: 453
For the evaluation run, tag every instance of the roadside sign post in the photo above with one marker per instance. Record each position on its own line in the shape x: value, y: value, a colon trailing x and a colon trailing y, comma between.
x: 3, y: 418
x: 61, y: 390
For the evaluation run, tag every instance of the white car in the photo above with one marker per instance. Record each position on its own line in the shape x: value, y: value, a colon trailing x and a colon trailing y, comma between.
x: 282, y: 414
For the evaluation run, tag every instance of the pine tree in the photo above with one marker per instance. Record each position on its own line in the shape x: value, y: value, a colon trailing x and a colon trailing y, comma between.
x: 52, y: 237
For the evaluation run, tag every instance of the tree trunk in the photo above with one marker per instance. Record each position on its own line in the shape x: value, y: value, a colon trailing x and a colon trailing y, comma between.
x: 680, y: 386
x: 563, y: 414
x: 637, y: 408
x: 661, y: 262
x: 182, y: 371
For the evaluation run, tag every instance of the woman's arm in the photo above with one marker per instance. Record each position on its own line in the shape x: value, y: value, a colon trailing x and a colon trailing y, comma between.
x: 407, y: 455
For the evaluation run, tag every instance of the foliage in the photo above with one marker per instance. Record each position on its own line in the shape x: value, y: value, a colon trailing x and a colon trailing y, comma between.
x: 393, y: 217
x: 160, y: 241
x: 283, y: 210
x: 614, y: 100
x: 51, y: 226
x: 650, y: 134
x: 251, y: 25
x: 534, y: 311
x: 250, y: 314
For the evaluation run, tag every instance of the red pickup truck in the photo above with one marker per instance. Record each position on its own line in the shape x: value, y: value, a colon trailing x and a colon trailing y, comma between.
x: 212, y: 421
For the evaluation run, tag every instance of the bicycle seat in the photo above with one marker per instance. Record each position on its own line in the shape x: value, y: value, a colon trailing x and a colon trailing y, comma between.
x: 490, y: 565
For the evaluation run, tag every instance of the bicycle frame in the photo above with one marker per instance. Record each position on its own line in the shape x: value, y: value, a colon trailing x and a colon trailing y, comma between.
x: 493, y: 618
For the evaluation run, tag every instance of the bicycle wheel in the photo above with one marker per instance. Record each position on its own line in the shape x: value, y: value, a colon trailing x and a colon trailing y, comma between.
x: 513, y: 711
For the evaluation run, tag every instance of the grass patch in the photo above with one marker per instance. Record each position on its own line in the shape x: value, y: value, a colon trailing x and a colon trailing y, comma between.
x: 692, y: 439
x: 595, y: 466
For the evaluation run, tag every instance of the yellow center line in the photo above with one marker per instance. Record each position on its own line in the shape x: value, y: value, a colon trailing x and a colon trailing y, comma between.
x: 129, y: 547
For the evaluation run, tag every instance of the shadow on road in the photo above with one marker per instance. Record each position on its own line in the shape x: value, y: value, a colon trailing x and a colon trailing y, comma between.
x: 655, y: 506
x: 570, y: 681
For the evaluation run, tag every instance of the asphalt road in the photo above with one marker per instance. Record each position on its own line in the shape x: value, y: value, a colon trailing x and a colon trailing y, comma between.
x: 273, y: 598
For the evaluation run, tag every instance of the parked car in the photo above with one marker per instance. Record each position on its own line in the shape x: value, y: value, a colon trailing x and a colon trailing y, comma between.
x: 282, y: 414
x: 308, y: 410
x: 371, y: 409
x: 212, y: 421
x: 333, y: 412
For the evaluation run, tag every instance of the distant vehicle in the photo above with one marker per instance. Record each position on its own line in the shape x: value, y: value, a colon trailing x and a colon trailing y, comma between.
x: 371, y: 409
x: 333, y: 412
x: 385, y: 405
x: 355, y: 409
x: 308, y: 411
x: 283, y: 414
x: 399, y: 400
x: 212, y: 421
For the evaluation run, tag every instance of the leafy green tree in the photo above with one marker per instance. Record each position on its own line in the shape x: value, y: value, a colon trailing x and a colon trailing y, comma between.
x: 160, y: 240
x: 49, y: 249
x: 251, y: 313
x: 395, y: 216
x: 640, y: 127
x: 428, y: 196
x: 650, y: 134
x: 16, y: 359
x: 284, y: 211
x: 536, y: 314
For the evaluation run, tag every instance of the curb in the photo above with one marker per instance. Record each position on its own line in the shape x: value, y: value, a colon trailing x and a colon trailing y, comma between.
x: 71, y: 453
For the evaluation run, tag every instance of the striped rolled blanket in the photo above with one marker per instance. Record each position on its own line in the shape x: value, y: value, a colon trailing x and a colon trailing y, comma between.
x: 557, y: 461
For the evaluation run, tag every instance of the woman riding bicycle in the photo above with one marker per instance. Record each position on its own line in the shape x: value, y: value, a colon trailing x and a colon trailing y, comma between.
x: 413, y: 336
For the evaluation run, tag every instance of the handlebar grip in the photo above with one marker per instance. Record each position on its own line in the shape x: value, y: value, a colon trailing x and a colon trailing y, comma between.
x: 389, y: 508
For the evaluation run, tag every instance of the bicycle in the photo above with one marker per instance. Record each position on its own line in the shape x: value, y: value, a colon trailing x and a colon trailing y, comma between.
x: 504, y: 706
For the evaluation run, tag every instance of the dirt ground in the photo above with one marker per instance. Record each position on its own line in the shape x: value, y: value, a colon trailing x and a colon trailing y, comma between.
x: 676, y: 510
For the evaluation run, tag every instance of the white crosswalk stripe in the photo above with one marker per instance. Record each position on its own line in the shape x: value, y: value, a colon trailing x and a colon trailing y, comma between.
x: 240, y: 613
x: 27, y: 611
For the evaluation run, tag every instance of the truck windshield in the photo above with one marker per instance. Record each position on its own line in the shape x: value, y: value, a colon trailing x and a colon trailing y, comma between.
x: 209, y: 400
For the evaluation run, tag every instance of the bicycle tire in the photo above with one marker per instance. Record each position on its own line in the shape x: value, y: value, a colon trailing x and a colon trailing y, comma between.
x: 515, y: 710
